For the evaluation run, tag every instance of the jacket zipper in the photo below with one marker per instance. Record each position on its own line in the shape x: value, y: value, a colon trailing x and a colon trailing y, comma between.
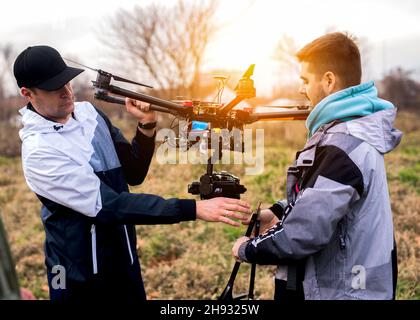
x: 342, y: 236
x: 94, y: 258
x: 128, y: 245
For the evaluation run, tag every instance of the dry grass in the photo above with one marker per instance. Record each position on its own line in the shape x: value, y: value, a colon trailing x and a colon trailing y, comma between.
x: 192, y: 260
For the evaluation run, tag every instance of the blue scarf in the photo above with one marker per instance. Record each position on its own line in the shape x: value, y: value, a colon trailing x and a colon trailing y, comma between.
x: 347, y: 104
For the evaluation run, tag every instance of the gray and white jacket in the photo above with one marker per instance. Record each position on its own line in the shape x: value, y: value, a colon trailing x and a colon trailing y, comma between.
x: 339, y: 216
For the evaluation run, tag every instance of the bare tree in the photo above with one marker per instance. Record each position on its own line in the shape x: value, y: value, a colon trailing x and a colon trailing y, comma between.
x: 400, y: 88
x: 285, y: 54
x: 288, y: 69
x: 164, y: 44
x: 6, y: 54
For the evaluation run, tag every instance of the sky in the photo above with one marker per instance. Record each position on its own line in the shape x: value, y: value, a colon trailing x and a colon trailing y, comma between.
x: 249, y: 31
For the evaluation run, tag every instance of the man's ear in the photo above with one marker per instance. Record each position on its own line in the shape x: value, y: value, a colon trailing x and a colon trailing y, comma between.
x: 329, y: 83
x: 26, y: 92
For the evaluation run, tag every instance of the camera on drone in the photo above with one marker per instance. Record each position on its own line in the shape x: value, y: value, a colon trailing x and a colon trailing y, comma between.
x: 217, y: 184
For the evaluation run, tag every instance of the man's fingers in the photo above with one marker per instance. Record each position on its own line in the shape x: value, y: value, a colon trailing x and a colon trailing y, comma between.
x: 140, y: 105
x: 237, y: 201
x: 127, y: 103
x: 247, y: 221
x: 143, y: 106
x: 232, y: 214
x: 237, y: 207
x: 228, y: 221
x: 130, y: 102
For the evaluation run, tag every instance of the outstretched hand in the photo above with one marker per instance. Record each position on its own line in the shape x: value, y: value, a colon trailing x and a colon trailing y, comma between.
x: 223, y: 210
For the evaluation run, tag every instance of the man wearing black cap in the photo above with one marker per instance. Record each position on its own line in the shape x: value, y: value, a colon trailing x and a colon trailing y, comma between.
x: 79, y: 166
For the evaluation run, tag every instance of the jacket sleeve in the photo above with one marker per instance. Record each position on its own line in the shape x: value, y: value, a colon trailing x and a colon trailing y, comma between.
x: 63, y: 182
x: 333, y: 186
x: 135, y: 158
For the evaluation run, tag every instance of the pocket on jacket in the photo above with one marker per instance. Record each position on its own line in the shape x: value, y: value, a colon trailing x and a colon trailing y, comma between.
x: 311, y: 289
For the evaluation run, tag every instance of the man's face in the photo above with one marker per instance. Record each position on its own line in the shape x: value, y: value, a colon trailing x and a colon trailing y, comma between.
x: 56, y: 105
x: 312, y: 86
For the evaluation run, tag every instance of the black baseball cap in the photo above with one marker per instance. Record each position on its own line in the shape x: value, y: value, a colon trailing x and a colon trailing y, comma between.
x: 42, y: 67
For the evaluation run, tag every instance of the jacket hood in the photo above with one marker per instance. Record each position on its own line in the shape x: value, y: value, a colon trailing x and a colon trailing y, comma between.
x: 363, y: 115
x: 347, y: 104
x: 376, y: 129
x: 34, y: 123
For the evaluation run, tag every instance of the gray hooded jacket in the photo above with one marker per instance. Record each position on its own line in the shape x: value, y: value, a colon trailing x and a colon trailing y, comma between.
x: 339, y: 215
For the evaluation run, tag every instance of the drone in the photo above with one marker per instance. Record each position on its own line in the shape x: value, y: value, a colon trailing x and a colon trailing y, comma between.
x: 216, y: 114
x: 208, y: 116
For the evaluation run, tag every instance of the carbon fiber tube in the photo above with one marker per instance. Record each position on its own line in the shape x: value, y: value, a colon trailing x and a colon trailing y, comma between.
x: 150, y: 99
x: 280, y: 115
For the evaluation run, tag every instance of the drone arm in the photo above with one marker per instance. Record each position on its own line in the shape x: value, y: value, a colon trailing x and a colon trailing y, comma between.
x: 165, y: 105
x: 286, y: 115
x: 110, y: 99
x: 231, y: 105
x: 116, y: 100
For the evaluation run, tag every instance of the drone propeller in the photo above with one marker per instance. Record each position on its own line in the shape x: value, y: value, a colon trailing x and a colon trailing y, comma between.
x: 80, y: 64
x: 116, y: 78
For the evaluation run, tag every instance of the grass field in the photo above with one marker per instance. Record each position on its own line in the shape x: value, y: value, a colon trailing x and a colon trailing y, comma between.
x: 192, y: 260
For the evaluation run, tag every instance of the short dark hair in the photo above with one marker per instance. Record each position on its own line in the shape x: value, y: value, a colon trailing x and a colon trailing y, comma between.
x: 336, y: 52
